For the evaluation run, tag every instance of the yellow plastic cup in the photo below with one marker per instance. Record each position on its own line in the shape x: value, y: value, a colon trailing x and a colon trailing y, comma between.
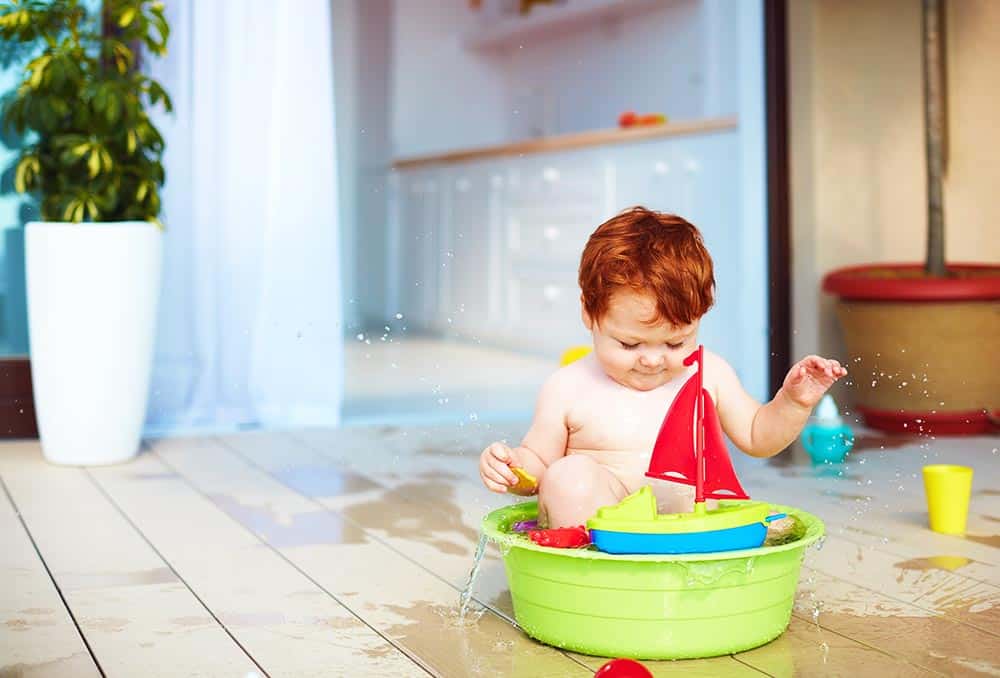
x: 948, y: 490
x: 573, y: 354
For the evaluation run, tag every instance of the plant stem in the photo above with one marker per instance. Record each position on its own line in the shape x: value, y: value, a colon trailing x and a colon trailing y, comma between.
x: 934, y: 114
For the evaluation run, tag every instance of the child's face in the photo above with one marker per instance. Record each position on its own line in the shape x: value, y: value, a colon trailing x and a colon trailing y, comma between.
x: 634, y: 352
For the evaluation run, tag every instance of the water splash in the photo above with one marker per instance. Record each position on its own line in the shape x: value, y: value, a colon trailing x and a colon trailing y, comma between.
x: 466, y: 596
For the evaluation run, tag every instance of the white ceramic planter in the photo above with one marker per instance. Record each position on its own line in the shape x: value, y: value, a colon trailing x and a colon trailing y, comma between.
x: 92, y: 297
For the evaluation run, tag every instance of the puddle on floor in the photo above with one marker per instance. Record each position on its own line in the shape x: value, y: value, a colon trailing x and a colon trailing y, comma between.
x: 79, y: 581
x: 294, y: 529
x: 489, y: 647
x: 430, y: 522
x: 987, y: 540
x: 324, y: 481
x: 946, y: 563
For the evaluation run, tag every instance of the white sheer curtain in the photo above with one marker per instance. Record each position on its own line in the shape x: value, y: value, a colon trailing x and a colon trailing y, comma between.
x: 250, y: 315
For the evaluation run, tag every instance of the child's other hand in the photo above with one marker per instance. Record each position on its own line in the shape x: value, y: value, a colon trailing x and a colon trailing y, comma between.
x: 494, y: 467
x: 810, y: 378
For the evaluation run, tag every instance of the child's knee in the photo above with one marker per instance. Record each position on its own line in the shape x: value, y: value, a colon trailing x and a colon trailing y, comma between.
x: 573, y: 476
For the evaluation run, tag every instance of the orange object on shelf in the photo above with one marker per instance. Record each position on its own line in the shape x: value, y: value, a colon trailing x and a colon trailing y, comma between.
x: 633, y: 119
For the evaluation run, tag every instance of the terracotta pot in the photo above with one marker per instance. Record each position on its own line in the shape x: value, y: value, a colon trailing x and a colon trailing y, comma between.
x: 929, y: 348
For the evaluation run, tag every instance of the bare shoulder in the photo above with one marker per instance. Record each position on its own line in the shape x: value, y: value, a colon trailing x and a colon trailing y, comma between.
x: 719, y: 374
x: 578, y: 374
x: 563, y: 386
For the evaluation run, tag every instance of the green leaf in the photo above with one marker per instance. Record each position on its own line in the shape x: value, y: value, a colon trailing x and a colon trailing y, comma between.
x: 94, y: 153
x: 127, y: 17
x: 70, y: 211
x: 27, y: 168
x: 94, y: 163
x: 114, y: 107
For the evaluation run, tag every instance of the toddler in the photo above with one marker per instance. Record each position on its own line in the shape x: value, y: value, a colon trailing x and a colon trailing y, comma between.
x: 646, y: 281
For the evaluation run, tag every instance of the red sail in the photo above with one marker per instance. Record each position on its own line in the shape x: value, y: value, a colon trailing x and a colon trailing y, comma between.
x: 720, y: 477
x: 673, y: 453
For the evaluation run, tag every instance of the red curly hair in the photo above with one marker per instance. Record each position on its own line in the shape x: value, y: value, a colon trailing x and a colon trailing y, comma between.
x: 651, y: 253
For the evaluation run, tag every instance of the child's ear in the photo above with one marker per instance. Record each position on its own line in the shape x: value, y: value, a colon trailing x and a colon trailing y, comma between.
x: 587, y: 320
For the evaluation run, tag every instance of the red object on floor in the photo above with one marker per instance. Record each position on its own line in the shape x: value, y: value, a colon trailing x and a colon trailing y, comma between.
x: 623, y: 668
x: 561, y: 537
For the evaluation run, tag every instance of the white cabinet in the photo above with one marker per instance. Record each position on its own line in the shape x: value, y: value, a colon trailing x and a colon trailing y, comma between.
x: 697, y: 178
x: 414, y: 250
x: 490, y: 249
x: 469, y: 295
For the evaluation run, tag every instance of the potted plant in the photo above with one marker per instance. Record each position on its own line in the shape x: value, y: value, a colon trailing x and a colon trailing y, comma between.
x: 91, y: 161
x: 928, y: 334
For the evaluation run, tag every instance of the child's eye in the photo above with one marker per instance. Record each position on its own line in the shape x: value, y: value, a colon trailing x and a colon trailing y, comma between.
x: 627, y: 347
x: 677, y: 345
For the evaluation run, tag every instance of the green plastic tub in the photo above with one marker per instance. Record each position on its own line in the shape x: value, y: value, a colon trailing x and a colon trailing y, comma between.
x: 650, y: 606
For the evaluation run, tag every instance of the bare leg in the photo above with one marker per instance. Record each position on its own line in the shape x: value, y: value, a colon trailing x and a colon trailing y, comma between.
x: 573, y: 488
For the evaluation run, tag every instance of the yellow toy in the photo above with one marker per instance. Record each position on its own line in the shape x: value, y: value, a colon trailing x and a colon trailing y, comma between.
x: 573, y: 354
x: 526, y: 483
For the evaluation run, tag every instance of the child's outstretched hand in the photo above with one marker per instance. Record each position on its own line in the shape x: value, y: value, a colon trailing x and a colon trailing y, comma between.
x: 494, y: 467
x: 810, y: 378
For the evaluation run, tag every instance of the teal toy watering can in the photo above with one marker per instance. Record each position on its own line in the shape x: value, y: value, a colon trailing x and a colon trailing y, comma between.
x: 826, y: 437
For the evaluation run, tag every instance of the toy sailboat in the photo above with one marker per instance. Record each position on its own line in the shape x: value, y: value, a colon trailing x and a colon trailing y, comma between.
x: 689, y: 449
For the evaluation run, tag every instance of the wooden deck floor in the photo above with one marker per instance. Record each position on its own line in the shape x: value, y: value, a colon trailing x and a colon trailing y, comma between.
x: 343, y: 552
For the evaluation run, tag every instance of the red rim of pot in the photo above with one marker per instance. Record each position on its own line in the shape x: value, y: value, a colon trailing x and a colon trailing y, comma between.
x: 973, y: 422
x: 853, y: 282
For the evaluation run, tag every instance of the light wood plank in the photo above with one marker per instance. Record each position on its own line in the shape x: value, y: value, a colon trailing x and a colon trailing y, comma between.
x: 392, y: 593
x: 138, y: 618
x: 929, y: 639
x: 966, y: 599
x: 806, y: 650
x: 880, y: 500
x: 347, y: 454
x: 443, y: 492
x: 286, y: 622
x: 566, y: 142
x: 418, y: 519
x: 37, y: 634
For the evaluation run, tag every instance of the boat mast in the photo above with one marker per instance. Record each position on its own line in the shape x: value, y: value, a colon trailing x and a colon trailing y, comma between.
x: 699, y: 491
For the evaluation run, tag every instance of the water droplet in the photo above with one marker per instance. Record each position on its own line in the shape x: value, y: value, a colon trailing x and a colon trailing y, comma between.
x: 361, y: 336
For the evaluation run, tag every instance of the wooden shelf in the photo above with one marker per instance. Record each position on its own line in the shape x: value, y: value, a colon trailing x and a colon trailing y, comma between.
x: 565, y: 142
x: 547, y: 20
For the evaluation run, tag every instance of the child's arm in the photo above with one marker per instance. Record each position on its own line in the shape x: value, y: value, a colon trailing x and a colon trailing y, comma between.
x: 764, y: 430
x: 543, y: 444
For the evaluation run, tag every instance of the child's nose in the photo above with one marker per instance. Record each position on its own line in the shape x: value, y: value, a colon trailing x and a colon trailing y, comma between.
x: 651, y: 358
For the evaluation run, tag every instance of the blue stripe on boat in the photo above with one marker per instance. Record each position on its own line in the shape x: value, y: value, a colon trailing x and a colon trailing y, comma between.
x: 730, y: 539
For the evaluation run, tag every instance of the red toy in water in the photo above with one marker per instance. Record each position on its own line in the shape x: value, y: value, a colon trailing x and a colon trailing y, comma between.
x: 561, y: 537
x: 623, y: 668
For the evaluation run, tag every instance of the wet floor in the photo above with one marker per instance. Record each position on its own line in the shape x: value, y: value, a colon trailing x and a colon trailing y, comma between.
x: 303, y: 553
